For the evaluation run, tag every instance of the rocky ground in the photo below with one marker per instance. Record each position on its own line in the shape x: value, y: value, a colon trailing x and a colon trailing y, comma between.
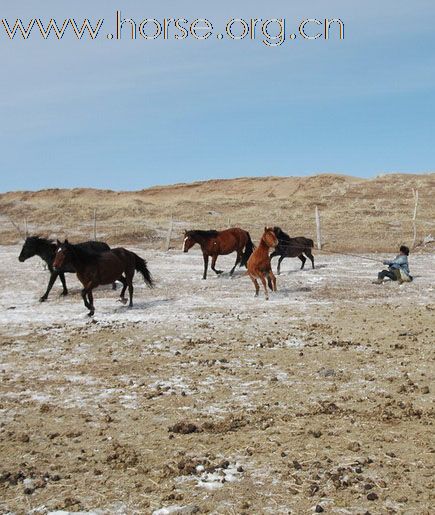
x: 204, y: 399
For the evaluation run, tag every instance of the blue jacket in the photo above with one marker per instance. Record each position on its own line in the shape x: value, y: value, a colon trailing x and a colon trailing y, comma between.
x: 400, y: 262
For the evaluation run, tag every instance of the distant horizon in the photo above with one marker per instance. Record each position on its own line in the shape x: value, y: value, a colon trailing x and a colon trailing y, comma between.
x: 248, y: 177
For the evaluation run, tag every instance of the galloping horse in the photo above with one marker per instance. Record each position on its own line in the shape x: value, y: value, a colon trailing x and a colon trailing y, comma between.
x: 46, y: 250
x: 292, y: 247
x: 95, y: 269
x: 259, y: 263
x: 216, y: 243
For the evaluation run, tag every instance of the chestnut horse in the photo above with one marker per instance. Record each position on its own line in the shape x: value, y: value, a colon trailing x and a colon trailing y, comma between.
x: 216, y: 243
x: 94, y: 269
x: 259, y: 266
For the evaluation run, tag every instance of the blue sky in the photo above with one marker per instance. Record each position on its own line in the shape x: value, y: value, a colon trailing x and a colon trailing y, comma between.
x: 132, y: 114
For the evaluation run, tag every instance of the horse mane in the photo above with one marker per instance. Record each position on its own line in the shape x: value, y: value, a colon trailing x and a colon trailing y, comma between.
x: 83, y: 255
x: 202, y: 234
x: 41, y: 243
x: 280, y: 234
x: 38, y: 239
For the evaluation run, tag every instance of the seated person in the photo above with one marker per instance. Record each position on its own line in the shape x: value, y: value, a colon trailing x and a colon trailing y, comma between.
x: 398, y: 269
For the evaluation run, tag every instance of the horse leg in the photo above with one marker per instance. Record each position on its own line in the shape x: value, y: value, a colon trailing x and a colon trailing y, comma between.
x: 62, y: 279
x: 114, y: 285
x: 273, y: 280
x: 205, y: 256
x: 53, y: 277
x: 309, y: 254
x: 263, y: 280
x: 213, y: 263
x: 278, y: 270
x: 129, y: 281
x: 91, y: 303
x: 124, y: 287
x: 238, y: 260
x: 257, y: 287
x: 84, y: 293
x: 303, y: 259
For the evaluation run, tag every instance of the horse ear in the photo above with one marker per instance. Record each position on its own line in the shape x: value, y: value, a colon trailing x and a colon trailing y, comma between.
x: 66, y: 242
x: 58, y: 243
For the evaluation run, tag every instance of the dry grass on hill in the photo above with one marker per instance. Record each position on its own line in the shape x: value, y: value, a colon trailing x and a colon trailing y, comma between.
x: 357, y: 214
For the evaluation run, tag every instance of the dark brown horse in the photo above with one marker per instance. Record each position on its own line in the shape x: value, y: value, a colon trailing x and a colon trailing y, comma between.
x: 46, y: 250
x: 259, y: 266
x: 292, y: 247
x: 218, y: 243
x: 96, y: 269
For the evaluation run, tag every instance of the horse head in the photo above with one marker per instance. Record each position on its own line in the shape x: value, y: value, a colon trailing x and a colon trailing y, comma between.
x: 269, y: 237
x: 30, y: 248
x: 62, y: 255
x: 188, y: 242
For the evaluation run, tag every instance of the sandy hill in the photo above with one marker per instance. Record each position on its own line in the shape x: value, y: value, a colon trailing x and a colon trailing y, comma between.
x: 363, y: 214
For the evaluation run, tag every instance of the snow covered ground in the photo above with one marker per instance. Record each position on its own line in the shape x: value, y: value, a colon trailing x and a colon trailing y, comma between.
x: 205, y: 399
x: 181, y: 296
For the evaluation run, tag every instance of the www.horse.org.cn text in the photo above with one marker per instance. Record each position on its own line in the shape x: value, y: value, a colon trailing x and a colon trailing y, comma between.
x: 272, y: 32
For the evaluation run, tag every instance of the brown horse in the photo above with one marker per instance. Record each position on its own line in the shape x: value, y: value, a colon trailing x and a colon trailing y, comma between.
x: 216, y: 243
x: 259, y: 266
x: 95, y: 269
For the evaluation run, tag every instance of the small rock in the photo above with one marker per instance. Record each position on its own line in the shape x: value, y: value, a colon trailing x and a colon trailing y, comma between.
x: 354, y: 446
x: 319, y: 509
x: 425, y: 390
x: 184, y: 428
x: 372, y: 496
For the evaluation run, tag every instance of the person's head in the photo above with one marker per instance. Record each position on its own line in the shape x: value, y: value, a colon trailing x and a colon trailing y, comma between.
x: 404, y: 250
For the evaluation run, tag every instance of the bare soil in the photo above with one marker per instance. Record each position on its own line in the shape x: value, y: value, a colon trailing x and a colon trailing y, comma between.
x: 204, y: 399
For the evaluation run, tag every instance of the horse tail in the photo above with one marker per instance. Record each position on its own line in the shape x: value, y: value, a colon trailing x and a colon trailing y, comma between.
x: 249, y: 249
x: 141, y: 266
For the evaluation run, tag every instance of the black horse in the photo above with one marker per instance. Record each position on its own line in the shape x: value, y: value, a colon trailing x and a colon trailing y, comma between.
x: 292, y: 247
x: 46, y: 250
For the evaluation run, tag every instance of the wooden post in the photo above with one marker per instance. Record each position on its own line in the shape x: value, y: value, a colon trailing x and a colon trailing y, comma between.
x: 26, y: 228
x: 319, y: 232
x: 414, y: 218
x: 169, y: 235
x: 229, y: 223
x: 95, y: 225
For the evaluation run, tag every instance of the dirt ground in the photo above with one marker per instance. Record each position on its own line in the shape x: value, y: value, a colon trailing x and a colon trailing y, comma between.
x: 204, y: 399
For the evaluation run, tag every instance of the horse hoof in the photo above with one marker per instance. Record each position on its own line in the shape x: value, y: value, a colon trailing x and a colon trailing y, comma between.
x: 64, y: 294
x: 124, y: 301
x: 42, y: 299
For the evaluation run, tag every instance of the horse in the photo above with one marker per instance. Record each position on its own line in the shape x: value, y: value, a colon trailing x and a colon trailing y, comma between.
x: 94, y: 269
x: 217, y: 243
x: 292, y: 247
x: 46, y: 250
x: 259, y: 265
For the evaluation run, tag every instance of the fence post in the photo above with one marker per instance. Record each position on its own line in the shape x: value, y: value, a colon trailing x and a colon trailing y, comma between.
x: 318, y: 228
x: 95, y: 225
x: 169, y: 235
x: 414, y: 218
x: 26, y: 228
